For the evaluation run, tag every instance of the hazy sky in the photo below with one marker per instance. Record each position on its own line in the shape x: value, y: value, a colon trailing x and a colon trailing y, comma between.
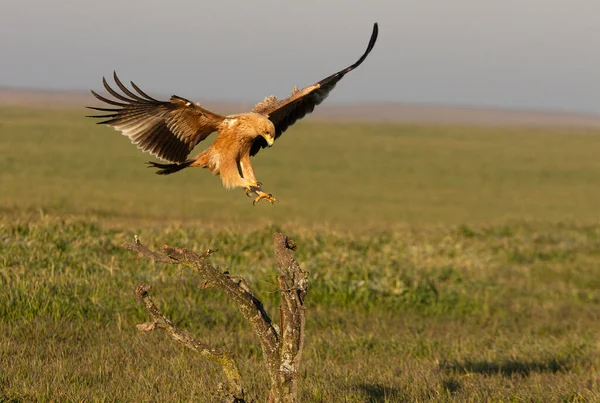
x: 510, y: 53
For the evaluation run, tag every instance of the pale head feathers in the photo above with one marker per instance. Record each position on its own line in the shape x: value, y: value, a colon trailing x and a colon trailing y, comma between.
x: 250, y: 125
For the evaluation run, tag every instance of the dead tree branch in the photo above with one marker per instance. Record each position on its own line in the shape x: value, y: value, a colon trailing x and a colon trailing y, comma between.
x: 282, y: 345
x: 293, y: 283
x: 221, y: 357
x: 137, y: 246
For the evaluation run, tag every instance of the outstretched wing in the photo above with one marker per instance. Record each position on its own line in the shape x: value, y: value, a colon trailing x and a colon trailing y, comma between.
x: 286, y: 112
x: 168, y: 130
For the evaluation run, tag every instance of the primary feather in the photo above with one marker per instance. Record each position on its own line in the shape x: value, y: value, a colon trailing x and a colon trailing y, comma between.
x: 168, y: 130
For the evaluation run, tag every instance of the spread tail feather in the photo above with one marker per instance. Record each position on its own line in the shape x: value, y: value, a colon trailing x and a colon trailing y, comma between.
x: 167, y: 169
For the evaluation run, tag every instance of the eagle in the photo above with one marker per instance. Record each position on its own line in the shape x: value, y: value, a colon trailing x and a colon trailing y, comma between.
x: 170, y: 129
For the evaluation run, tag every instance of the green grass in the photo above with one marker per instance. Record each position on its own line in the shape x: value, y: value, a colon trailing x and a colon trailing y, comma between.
x: 447, y: 264
x: 459, y: 314
x: 340, y: 174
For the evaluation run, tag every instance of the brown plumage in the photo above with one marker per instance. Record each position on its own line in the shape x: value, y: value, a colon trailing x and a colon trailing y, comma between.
x: 171, y: 129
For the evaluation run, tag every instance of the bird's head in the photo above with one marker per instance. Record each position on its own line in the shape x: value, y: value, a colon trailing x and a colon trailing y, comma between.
x: 269, y: 136
x: 266, y: 129
x: 256, y: 125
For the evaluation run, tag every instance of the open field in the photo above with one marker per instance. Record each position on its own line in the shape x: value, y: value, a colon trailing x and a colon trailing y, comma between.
x: 448, y: 263
x: 343, y: 174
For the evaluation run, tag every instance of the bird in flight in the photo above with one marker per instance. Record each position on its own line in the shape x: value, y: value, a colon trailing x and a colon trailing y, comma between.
x: 170, y: 129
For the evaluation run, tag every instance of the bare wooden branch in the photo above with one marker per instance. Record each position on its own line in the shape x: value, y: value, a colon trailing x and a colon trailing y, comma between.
x: 293, y: 283
x: 250, y: 306
x: 282, y: 345
x: 137, y: 246
x: 222, y: 357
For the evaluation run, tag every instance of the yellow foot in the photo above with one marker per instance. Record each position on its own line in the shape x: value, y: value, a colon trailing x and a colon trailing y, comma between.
x: 253, y: 188
x: 266, y: 196
x: 260, y: 195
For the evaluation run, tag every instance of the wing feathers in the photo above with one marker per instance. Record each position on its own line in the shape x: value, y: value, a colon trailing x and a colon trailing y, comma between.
x: 348, y: 69
x: 126, y: 90
x: 108, y: 101
x: 113, y: 92
x: 169, y: 130
x: 286, y: 112
x: 142, y: 93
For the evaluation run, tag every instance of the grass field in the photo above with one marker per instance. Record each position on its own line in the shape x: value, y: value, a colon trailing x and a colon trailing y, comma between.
x: 342, y: 174
x: 447, y: 263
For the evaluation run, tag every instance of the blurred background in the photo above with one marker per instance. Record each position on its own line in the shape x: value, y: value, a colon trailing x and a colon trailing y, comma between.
x: 465, y: 111
x: 533, y: 54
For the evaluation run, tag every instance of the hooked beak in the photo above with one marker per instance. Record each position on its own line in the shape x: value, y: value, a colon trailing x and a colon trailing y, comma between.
x: 270, y: 141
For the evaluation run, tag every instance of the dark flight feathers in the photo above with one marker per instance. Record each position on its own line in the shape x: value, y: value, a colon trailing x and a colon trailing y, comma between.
x: 169, y: 130
x: 286, y: 112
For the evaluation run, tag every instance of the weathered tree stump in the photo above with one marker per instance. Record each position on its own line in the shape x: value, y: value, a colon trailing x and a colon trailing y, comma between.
x: 281, y: 345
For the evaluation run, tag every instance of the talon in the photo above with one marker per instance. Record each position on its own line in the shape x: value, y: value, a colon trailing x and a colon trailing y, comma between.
x: 266, y: 196
x: 252, y: 189
x: 260, y: 195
